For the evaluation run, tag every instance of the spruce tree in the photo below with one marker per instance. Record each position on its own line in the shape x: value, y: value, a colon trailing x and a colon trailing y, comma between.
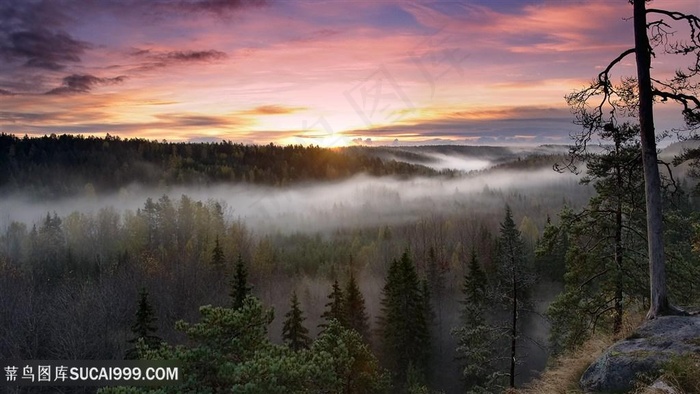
x: 514, y: 279
x: 239, y: 284
x: 295, y: 335
x: 356, y: 316
x: 144, y: 328
x: 426, y: 303
x: 475, y: 336
x: 474, y: 292
x: 435, y: 273
x: 550, y: 252
x: 403, y: 324
x: 217, y: 256
x: 335, y: 308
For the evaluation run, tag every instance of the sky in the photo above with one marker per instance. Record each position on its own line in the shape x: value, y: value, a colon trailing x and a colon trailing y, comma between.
x: 311, y: 72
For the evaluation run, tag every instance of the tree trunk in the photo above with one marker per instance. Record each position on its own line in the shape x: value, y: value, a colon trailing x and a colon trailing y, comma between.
x: 652, y: 181
x: 619, y: 275
x: 514, y: 330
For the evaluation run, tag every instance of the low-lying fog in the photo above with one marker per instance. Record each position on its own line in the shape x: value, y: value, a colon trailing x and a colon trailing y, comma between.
x: 358, y: 201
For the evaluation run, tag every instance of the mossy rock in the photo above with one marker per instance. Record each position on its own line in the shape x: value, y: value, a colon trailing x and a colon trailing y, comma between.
x: 642, y: 354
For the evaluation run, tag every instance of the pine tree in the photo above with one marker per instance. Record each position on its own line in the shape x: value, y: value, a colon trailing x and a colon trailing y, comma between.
x: 356, y: 316
x: 605, y: 264
x: 295, y: 335
x: 217, y: 256
x: 239, y: 284
x: 403, y: 324
x: 144, y: 328
x: 335, y: 308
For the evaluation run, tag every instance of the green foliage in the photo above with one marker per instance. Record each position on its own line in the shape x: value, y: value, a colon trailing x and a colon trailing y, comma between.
x: 476, y: 337
x: 217, y: 256
x: 435, y: 273
x: 144, y: 328
x: 511, y: 259
x: 514, y: 280
x: 681, y: 230
x: 606, y: 258
x: 550, y: 252
x: 403, y: 324
x: 356, y: 317
x: 293, y: 331
x: 335, y: 308
x: 514, y: 272
x: 352, y: 361
x: 415, y: 381
x: 230, y: 352
x: 683, y: 372
x: 475, y: 293
x: 239, y: 284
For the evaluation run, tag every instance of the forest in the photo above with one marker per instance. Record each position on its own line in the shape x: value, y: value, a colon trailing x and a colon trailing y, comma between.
x: 401, y: 277
x: 414, y: 259
x: 58, y: 166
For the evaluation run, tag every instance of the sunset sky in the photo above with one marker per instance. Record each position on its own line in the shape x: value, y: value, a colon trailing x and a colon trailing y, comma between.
x: 322, y: 72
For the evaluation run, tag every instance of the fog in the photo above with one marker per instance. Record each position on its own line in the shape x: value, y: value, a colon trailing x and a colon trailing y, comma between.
x: 463, y: 157
x: 356, y: 202
x: 446, y: 162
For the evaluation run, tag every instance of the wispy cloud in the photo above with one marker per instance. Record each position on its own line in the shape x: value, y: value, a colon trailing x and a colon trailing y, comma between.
x: 216, y: 7
x: 154, y: 59
x: 260, y: 71
x: 77, y: 83
x: 272, y: 110
x: 183, y: 56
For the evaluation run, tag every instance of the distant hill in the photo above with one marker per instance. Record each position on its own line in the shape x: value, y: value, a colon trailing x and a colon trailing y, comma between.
x: 684, y: 155
x: 66, y: 165
x: 677, y: 148
x: 53, y: 166
x: 460, y: 157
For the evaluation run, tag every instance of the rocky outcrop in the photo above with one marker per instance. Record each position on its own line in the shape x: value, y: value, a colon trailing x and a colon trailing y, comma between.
x: 642, y: 353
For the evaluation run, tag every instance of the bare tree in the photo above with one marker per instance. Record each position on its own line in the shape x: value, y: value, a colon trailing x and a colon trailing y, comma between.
x: 602, y: 102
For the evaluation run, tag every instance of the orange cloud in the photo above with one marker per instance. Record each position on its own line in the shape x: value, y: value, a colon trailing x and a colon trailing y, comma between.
x: 272, y: 110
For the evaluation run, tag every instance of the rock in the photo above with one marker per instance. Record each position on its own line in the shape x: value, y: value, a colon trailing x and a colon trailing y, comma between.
x: 661, y: 387
x: 642, y: 353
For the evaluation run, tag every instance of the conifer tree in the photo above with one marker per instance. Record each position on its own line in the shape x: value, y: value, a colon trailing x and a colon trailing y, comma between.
x: 403, y: 324
x: 550, y: 252
x: 335, y: 308
x: 435, y: 273
x: 356, y: 316
x: 475, y: 336
x: 602, y: 102
x: 514, y: 278
x: 474, y: 291
x: 217, y: 256
x: 435, y: 288
x: 602, y: 276
x: 295, y: 335
x: 144, y: 327
x: 425, y: 300
x: 239, y: 284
